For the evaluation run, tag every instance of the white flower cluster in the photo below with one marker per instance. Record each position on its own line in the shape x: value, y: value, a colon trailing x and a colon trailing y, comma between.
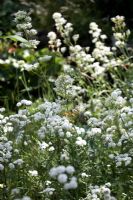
x: 102, y: 53
x: 122, y: 159
x: 120, y: 34
x: 106, y: 135
x: 117, y: 99
x: 100, y: 59
x: 43, y: 145
x: 5, y: 151
x: 6, y: 154
x: 26, y: 198
x: 8, y: 127
x: 50, y: 108
x: 54, y: 43
x: 113, y: 126
x: 23, y: 21
x: 52, y: 122
x: 24, y: 102
x: 19, y: 122
x: 56, y: 125
x: 20, y: 64
x: 33, y: 172
x: 65, y: 29
x: 80, y: 142
x: 95, y: 31
x: 80, y: 56
x: 62, y: 173
x: 64, y: 87
x: 94, y: 132
x: 48, y: 190
x: 98, y: 192
x: 5, y: 125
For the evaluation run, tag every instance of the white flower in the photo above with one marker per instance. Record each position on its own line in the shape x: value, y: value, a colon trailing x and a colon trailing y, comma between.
x: 94, y: 131
x: 103, y: 37
x: 33, y: 43
x: 26, y: 198
x: 63, y: 49
x: 43, y: 145
x: 19, y: 104
x: 75, y: 37
x: 62, y: 178
x: 15, y: 191
x: 57, y: 170
x: 33, y: 172
x: 1, y: 167
x: 52, y: 35
x: 48, y: 190
x: 84, y: 175
x: 11, y: 166
x: 57, y: 15
x: 60, y: 169
x: 70, y: 169
x: 24, y: 102
x: 51, y: 148
x: 93, y: 26
x: 72, y: 184
x: 33, y: 32
x: 53, y: 172
x: 2, y: 110
x: 18, y: 162
x: 68, y: 134
x: 80, y: 142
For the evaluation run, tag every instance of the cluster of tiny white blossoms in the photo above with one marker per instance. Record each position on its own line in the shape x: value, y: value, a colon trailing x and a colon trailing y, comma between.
x: 54, y: 43
x: 80, y: 142
x: 101, y: 192
x: 64, y: 86
x: 101, y: 58
x: 50, y: 123
x: 24, y: 25
x: 20, y: 64
x: 120, y: 33
x: 62, y: 173
x: 121, y: 158
x: 24, y: 102
x: 48, y: 191
x: 7, y: 155
x: 101, y: 52
x: 65, y: 30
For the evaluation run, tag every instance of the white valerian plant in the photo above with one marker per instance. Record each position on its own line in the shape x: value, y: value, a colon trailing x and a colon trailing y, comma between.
x: 121, y: 34
x: 102, y: 58
x: 101, y: 192
x: 24, y: 26
x: 62, y: 174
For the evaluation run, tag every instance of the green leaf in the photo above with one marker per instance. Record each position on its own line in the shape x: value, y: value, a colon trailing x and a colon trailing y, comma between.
x: 15, y: 38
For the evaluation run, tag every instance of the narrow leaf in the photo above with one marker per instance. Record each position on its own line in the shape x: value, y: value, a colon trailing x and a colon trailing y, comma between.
x: 16, y: 38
